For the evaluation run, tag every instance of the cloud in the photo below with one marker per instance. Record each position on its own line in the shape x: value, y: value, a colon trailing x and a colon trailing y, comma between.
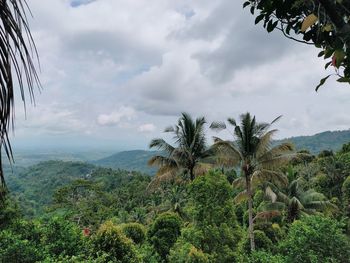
x: 108, y: 69
x: 148, y: 127
x: 115, y: 117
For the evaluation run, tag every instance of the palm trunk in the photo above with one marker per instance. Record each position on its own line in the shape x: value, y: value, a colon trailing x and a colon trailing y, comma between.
x: 192, y: 173
x: 250, y: 213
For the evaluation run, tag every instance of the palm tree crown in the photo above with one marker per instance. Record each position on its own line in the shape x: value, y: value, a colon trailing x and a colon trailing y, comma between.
x: 189, y: 152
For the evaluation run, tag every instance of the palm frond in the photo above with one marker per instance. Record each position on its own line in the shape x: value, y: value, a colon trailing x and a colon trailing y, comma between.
x: 242, y: 196
x: 161, y: 144
x: 267, y: 215
x: 217, y: 126
x: 265, y: 175
x: 17, y: 48
x: 238, y: 183
x: 271, y: 194
x: 162, y: 161
x: 265, y: 143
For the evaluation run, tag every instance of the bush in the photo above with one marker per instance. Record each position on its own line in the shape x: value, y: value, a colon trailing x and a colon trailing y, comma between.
x: 316, y: 239
x: 346, y: 194
x: 262, y: 242
x: 187, y: 253
x: 62, y: 238
x: 265, y: 257
x: 164, y: 233
x: 13, y: 248
x: 135, y: 231
x: 113, y: 245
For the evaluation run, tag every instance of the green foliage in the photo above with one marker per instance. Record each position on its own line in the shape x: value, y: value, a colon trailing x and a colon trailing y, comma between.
x: 187, y: 253
x: 135, y: 231
x: 9, y: 211
x: 265, y: 257
x: 262, y: 242
x: 316, y: 239
x: 62, y: 238
x: 164, y: 232
x: 346, y: 195
x: 113, y: 245
x: 15, y: 247
x: 211, y: 197
x: 214, y: 228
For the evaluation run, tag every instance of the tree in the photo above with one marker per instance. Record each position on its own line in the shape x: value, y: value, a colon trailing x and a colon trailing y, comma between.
x: 297, y: 200
x: 316, y: 239
x: 164, y: 232
x: 322, y: 23
x: 111, y: 243
x: 17, y: 48
x: 187, y: 157
x: 253, y: 152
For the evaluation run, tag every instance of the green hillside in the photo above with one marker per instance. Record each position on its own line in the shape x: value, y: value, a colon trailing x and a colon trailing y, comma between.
x: 329, y: 140
x: 35, y: 186
x: 129, y: 160
x: 137, y: 160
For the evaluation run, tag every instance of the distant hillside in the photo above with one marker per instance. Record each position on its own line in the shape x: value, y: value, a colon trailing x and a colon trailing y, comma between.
x: 137, y: 160
x: 34, y: 186
x: 129, y: 160
x: 329, y: 140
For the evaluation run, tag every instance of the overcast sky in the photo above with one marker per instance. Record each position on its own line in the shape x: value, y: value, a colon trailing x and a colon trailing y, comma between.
x: 115, y: 73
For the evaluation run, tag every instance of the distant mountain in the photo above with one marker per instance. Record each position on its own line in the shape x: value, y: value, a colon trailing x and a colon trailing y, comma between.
x: 329, y: 140
x: 137, y: 160
x: 129, y: 160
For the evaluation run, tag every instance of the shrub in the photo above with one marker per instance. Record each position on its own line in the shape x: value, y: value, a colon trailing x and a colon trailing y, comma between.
x: 15, y: 249
x: 164, y: 233
x: 262, y: 242
x: 187, y: 253
x: 113, y: 245
x: 265, y: 257
x: 316, y: 239
x: 62, y: 238
x: 135, y: 231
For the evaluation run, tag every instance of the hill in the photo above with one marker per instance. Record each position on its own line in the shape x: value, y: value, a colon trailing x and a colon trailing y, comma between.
x: 137, y: 160
x: 34, y: 186
x: 329, y: 140
x: 129, y: 160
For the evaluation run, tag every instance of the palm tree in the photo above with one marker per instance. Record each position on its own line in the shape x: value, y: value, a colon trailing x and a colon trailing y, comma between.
x: 189, y: 153
x: 253, y: 152
x: 296, y: 200
x: 16, y: 51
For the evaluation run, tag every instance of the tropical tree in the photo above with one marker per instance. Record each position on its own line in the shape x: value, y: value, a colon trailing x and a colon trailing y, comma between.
x: 296, y: 200
x: 17, y: 49
x: 189, y: 153
x: 253, y: 152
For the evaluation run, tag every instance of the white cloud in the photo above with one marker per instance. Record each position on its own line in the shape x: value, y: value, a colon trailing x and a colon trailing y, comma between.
x: 148, y: 127
x: 164, y: 57
x: 115, y: 117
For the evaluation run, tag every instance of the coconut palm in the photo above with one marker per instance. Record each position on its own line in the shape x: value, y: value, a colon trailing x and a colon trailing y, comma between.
x: 188, y: 154
x: 16, y: 65
x: 253, y: 152
x: 295, y: 200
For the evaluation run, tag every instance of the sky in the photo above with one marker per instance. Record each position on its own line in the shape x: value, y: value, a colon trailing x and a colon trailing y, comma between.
x: 115, y: 73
